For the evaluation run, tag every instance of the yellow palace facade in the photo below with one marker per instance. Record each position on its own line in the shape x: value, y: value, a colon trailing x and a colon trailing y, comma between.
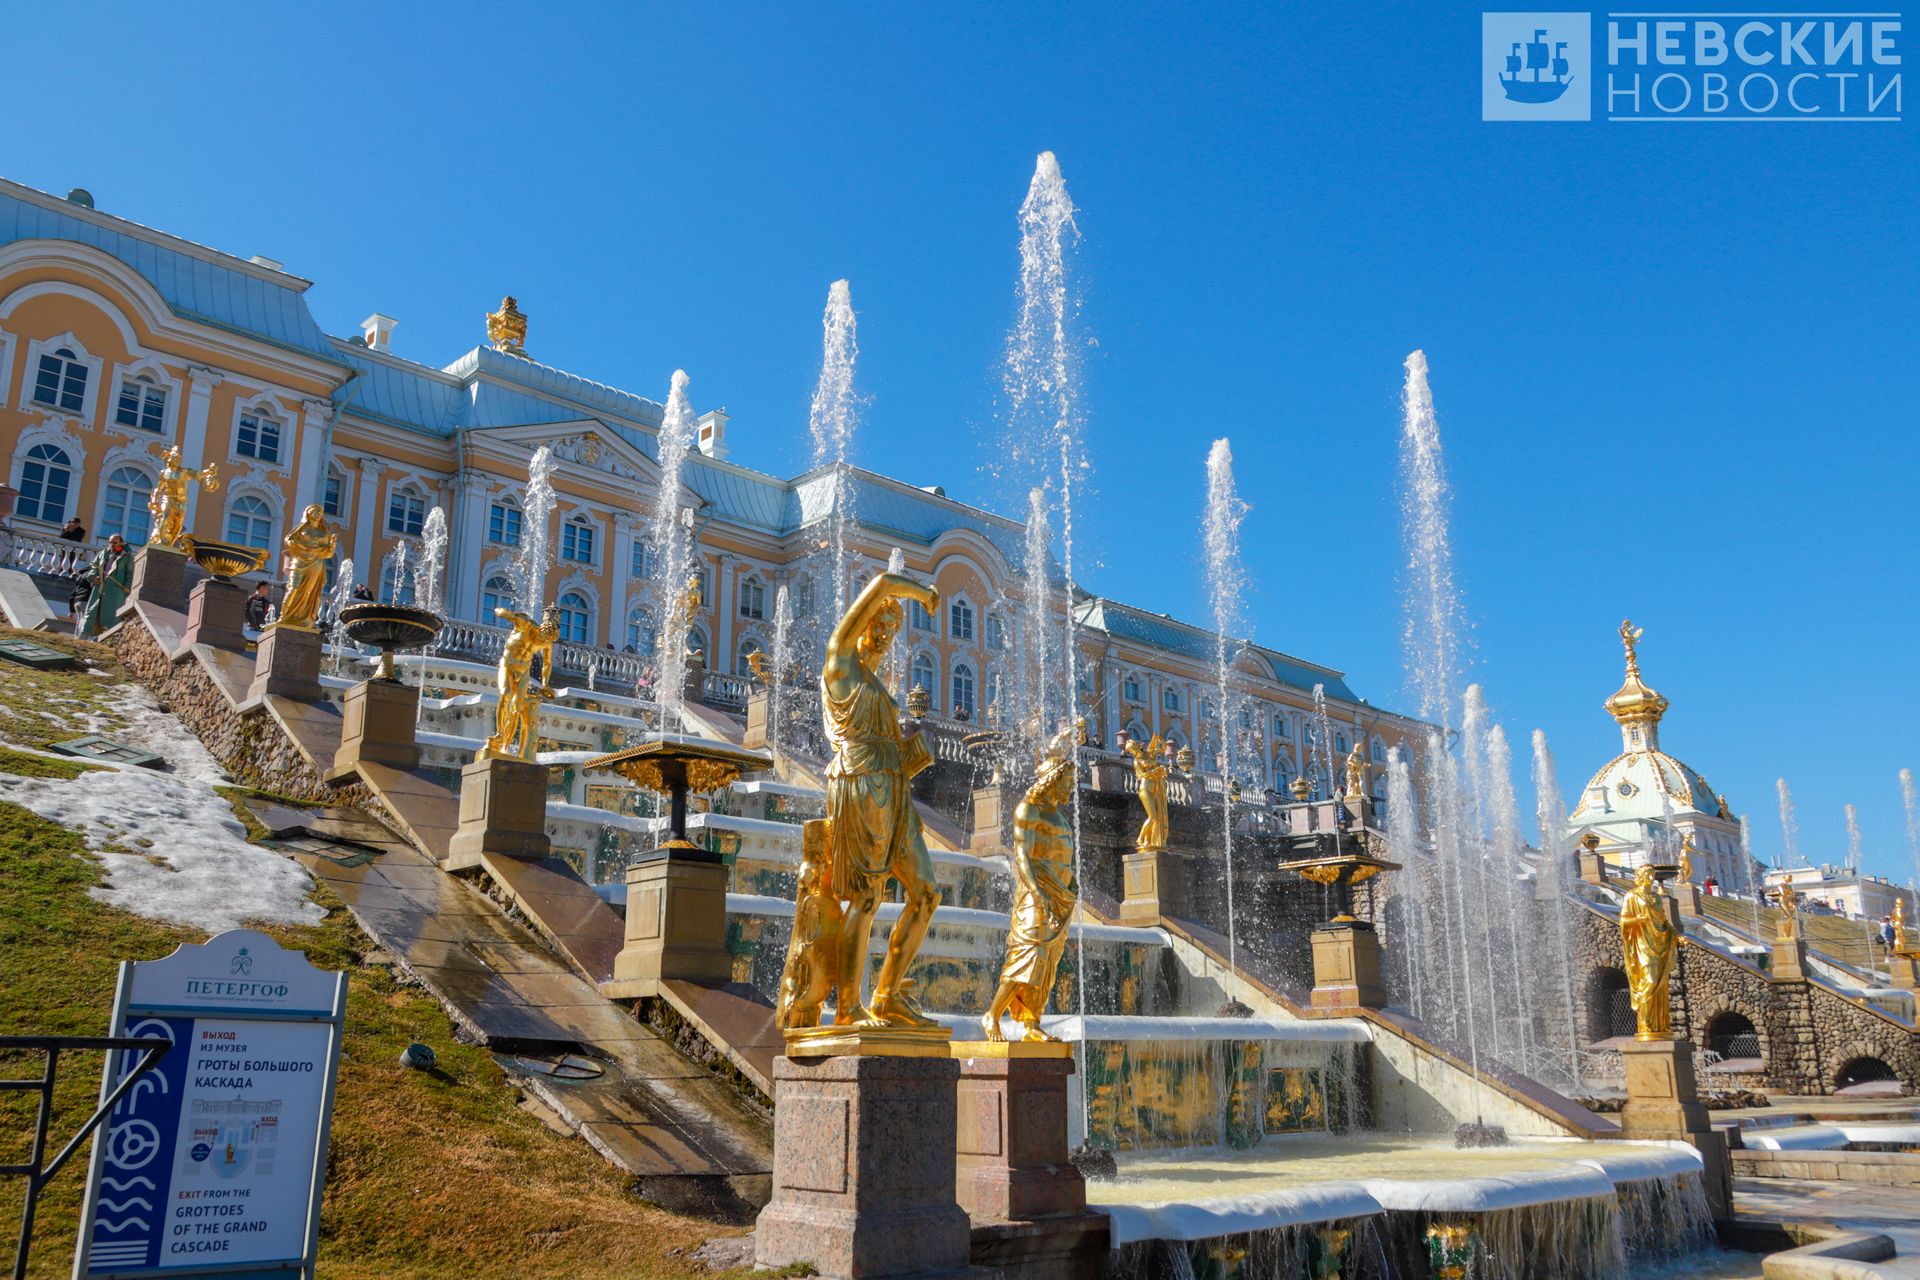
x: 118, y: 341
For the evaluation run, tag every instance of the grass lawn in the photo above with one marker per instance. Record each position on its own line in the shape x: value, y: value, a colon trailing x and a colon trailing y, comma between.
x: 430, y: 1175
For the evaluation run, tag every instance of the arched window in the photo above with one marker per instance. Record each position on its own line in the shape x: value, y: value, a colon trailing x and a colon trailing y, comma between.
x: 1131, y: 689
x: 124, y: 509
x: 45, y: 479
x: 960, y: 621
x: 61, y: 381
x: 495, y: 593
x: 747, y: 646
x: 141, y: 404
x: 1378, y: 750
x: 406, y: 511
x: 259, y: 435
x: 643, y: 637
x: 250, y: 522
x: 576, y: 617
x: 962, y: 689
x: 640, y: 561
x: 922, y: 673
x: 576, y: 540
x: 1138, y: 731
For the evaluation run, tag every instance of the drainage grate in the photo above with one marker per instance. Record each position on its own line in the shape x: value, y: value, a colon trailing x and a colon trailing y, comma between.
x: 95, y: 747
x: 566, y: 1066
x: 29, y: 654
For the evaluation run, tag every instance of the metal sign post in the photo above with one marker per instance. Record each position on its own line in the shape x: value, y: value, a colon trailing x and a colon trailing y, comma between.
x: 213, y: 1162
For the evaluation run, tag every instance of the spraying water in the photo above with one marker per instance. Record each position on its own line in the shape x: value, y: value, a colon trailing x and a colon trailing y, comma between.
x: 1853, y: 842
x: 670, y: 539
x: 393, y: 574
x: 1504, y: 810
x: 528, y: 572
x: 831, y: 419
x: 341, y: 597
x: 1036, y: 625
x: 896, y: 674
x: 782, y: 655
x: 1550, y: 808
x: 1911, y: 801
x: 1403, y: 833
x: 1754, y: 891
x: 429, y: 582
x: 1226, y: 585
x: 1789, y: 827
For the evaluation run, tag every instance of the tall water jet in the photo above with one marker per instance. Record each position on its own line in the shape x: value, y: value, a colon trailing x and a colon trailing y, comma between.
x: 1910, y: 800
x: 831, y: 419
x: 1036, y: 625
x: 393, y: 574
x: 1503, y: 809
x: 1853, y: 841
x: 339, y: 598
x: 1755, y: 889
x: 782, y: 657
x: 896, y: 674
x: 670, y: 540
x: 1789, y: 827
x: 528, y: 571
x: 1550, y: 808
x: 1472, y: 841
x: 1403, y: 834
x: 1226, y: 585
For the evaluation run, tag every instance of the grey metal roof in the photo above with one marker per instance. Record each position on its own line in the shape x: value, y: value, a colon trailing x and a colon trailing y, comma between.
x: 1162, y: 632
x: 548, y: 384
x: 410, y: 396
x: 194, y: 282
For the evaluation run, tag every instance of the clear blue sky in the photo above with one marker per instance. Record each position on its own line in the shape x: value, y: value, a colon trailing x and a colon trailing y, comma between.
x: 1674, y: 364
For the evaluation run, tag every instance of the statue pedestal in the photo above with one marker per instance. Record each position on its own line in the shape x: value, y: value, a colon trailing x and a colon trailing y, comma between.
x: 993, y: 807
x: 503, y: 811
x: 1346, y: 967
x: 1012, y: 1160
x: 377, y: 722
x: 693, y: 684
x: 863, y: 1167
x: 216, y: 615
x: 1140, y: 881
x: 1110, y: 776
x: 1687, y: 895
x: 159, y: 576
x: 286, y: 663
x: 1592, y: 869
x: 676, y: 923
x: 1789, y: 960
x: 1904, y: 971
x: 759, y: 717
x: 1663, y: 1102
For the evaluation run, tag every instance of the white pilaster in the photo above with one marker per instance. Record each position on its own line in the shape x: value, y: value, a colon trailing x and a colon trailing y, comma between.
x: 467, y: 545
x: 193, y: 432
x: 366, y: 517
x: 315, y: 417
x: 620, y: 574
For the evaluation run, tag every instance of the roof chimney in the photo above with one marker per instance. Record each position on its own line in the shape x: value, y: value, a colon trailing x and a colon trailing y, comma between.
x: 711, y: 434
x: 80, y: 196
x: 377, y: 330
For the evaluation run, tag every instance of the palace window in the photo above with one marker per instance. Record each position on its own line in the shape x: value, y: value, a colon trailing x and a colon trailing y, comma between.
x: 640, y: 561
x: 141, y: 404
x: 1340, y: 743
x: 753, y: 599
x: 406, y: 512
x: 922, y: 673
x: 1280, y: 727
x: 576, y: 541
x: 61, y: 382
x: 643, y: 637
x: 259, y: 437
x: 124, y: 510
x: 495, y: 593
x: 960, y: 620
x: 1170, y: 699
x: 697, y: 642
x: 1131, y: 691
x: 803, y: 595
x: 332, y: 500
x: 1206, y: 709
x: 576, y: 617
x: 918, y: 617
x: 250, y: 522
x: 46, y: 477
x: 962, y: 689
x: 996, y: 631
x: 706, y: 587
x: 503, y: 523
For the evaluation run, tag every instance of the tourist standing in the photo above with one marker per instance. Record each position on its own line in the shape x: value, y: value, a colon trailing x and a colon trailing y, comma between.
x: 111, y: 577
x: 258, y: 605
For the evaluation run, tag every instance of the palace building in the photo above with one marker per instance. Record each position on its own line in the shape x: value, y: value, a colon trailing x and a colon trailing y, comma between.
x: 118, y: 341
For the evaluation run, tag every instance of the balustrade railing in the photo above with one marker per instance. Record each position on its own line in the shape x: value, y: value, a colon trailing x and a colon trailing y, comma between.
x: 718, y: 689
x: 47, y: 556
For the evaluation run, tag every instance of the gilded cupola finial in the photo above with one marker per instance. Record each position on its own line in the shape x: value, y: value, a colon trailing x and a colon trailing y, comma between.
x: 1637, y: 707
x: 507, y: 328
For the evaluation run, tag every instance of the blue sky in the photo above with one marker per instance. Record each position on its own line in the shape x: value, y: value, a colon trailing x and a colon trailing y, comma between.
x: 1674, y: 364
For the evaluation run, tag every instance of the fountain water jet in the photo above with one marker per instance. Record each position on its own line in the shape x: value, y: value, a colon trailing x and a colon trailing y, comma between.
x: 831, y: 419
x: 1789, y: 827
x: 339, y: 598
x: 781, y: 658
x: 670, y: 540
x: 528, y: 572
x: 1226, y: 585
x: 429, y: 587
x: 1853, y: 841
x: 1910, y: 801
x: 1551, y: 810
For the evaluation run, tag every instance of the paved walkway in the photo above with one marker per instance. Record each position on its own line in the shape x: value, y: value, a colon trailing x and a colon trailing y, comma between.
x: 1891, y: 1211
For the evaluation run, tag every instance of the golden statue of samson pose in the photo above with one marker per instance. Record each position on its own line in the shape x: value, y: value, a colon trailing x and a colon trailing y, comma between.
x: 516, y: 723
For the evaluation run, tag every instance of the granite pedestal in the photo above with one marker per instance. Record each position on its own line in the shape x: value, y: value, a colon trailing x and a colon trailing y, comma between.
x: 1789, y: 961
x: 1346, y: 967
x: 863, y: 1168
x: 1012, y: 1160
x: 159, y: 576
x: 1687, y: 896
x: 377, y: 719
x: 1904, y: 971
x: 1663, y: 1102
x: 993, y: 807
x: 1140, y: 885
x: 217, y: 615
x: 759, y: 715
x: 676, y: 923
x: 503, y: 811
x: 286, y: 663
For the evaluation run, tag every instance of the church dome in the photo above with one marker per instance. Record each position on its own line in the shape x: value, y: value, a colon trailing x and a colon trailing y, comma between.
x: 1646, y: 784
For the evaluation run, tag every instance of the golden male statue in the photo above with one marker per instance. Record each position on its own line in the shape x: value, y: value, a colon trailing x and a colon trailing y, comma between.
x: 516, y: 724
x: 1044, y: 892
x: 1648, y: 941
x: 167, y: 504
x: 307, y: 548
x: 873, y: 830
x: 1150, y: 770
x: 1789, y: 901
x: 1357, y: 774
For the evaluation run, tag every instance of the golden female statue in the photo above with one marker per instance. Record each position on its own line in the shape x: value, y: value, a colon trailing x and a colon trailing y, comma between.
x: 1150, y: 770
x: 516, y: 722
x: 873, y: 830
x: 1357, y: 774
x: 1686, y: 859
x: 307, y: 548
x: 1648, y: 939
x: 1789, y: 913
x: 167, y: 504
x: 1043, y: 892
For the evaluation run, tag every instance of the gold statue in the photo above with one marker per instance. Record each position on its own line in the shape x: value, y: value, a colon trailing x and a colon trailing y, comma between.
x: 1630, y: 639
x: 1648, y: 940
x: 167, y: 504
x: 1044, y: 893
x: 1900, y: 944
x: 507, y: 328
x: 1686, y: 858
x: 1789, y: 913
x: 1150, y: 770
x: 516, y: 721
x: 307, y: 548
x: 873, y: 830
x: 757, y: 663
x: 813, y: 952
x: 1357, y: 774
x: 682, y: 620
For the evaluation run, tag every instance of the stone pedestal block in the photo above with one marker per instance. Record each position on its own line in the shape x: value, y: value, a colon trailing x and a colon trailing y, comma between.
x: 159, y: 576
x: 1110, y: 776
x: 693, y: 684
x: 863, y: 1168
x: 1789, y: 960
x: 377, y: 722
x: 1592, y: 869
x: 676, y: 923
x: 1663, y: 1102
x: 1140, y: 880
x: 216, y: 614
x: 1346, y: 967
x: 1904, y: 971
x: 759, y: 716
x: 1012, y: 1160
x: 993, y: 807
x: 286, y: 663
x: 1687, y: 897
x: 503, y: 811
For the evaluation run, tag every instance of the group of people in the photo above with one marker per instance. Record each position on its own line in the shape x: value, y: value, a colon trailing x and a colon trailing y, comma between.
x: 101, y: 588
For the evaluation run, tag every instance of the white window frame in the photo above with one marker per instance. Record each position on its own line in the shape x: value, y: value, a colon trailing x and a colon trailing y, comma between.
x: 263, y: 405
x: 955, y: 616
x: 918, y: 619
x: 30, y: 377
x: 504, y: 596
x: 232, y: 509
x: 405, y: 489
x: 113, y: 468
x: 932, y: 685
x: 6, y: 369
x: 647, y: 643
x: 337, y: 478
x: 753, y: 599
x: 152, y: 370
x: 963, y: 671
x: 575, y: 524
x: 506, y: 504
x: 74, y: 470
x: 559, y: 603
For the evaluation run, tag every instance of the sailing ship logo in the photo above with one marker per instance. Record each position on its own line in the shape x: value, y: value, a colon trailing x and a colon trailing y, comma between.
x: 1536, y: 66
x: 1536, y: 88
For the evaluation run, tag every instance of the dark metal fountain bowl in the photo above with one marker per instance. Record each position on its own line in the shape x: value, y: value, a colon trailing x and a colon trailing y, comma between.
x: 388, y: 627
x: 224, y: 559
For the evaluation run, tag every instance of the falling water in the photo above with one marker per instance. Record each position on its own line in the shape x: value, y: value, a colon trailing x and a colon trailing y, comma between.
x: 896, y: 673
x: 528, y: 572
x: 429, y: 586
x: 1403, y: 833
x: 1754, y: 891
x: 1853, y: 842
x: 1789, y: 827
x: 1226, y: 585
x: 831, y: 419
x: 1551, y: 809
x: 341, y: 597
x: 1036, y: 626
x: 669, y: 538
x: 1504, y: 810
x: 781, y: 656
x: 393, y: 574
x: 1473, y: 753
x: 1911, y: 800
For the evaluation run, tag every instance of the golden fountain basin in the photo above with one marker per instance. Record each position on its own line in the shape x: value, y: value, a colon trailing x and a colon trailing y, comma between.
x: 224, y: 560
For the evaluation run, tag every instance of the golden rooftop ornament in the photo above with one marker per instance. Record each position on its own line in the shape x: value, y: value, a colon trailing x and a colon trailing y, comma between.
x: 507, y: 328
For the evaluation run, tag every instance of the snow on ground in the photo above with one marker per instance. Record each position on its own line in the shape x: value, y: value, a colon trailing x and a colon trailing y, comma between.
x: 197, y: 868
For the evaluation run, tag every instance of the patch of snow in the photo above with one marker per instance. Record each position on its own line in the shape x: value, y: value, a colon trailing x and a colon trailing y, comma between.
x: 134, y: 717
